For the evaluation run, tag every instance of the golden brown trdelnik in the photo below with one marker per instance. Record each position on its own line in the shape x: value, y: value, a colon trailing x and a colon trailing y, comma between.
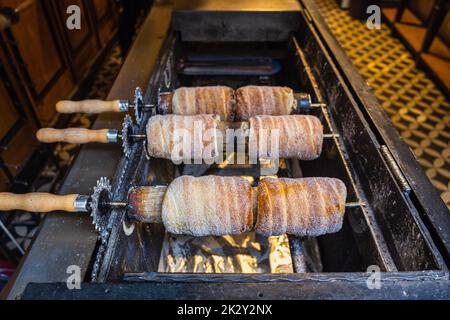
x: 215, y: 206
x: 145, y: 203
x: 264, y: 100
x: 231, y: 105
x: 183, y: 138
x: 218, y: 100
x: 300, y: 136
x: 301, y: 207
x: 206, y: 206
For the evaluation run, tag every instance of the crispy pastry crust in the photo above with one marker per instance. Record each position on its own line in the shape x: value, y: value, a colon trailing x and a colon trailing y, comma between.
x: 218, y: 100
x: 206, y: 206
x: 145, y: 203
x: 301, y: 207
x: 166, y: 135
x: 300, y: 136
x: 264, y: 100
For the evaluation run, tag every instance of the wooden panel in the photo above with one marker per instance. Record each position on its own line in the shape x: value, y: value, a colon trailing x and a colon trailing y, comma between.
x: 104, y: 20
x: 16, y: 120
x: 59, y: 90
x: 9, y: 115
x: 101, y: 9
x: 36, y: 44
x: 49, y: 58
x: 19, y: 149
x: 3, y: 181
x: 82, y: 43
x: 76, y: 37
x: 35, y: 51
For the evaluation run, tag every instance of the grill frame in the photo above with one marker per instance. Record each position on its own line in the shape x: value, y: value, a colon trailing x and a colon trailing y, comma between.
x: 111, y: 265
x: 417, y: 285
x: 350, y: 286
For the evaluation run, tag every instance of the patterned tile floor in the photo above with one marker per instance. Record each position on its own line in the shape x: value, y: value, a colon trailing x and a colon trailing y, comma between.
x: 416, y: 107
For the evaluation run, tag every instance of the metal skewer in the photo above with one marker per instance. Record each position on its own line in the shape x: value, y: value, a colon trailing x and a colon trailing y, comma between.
x: 127, y: 135
x: 317, y: 105
x: 117, y: 204
x: 164, y: 105
x: 99, y: 203
x: 355, y: 204
x: 304, y: 102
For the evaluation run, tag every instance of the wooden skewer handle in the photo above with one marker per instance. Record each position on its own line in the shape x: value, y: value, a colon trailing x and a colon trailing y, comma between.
x: 37, y: 202
x: 72, y: 135
x: 91, y: 106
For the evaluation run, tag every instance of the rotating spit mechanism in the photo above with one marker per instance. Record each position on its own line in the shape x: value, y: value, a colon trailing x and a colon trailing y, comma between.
x: 156, y: 205
x: 210, y: 205
x: 229, y: 104
x: 202, y: 104
x: 183, y: 138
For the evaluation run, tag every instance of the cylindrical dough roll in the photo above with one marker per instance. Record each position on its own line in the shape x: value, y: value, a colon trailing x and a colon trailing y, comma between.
x: 264, y: 100
x: 183, y: 138
x: 218, y: 100
x: 300, y: 136
x: 210, y: 205
x: 301, y: 207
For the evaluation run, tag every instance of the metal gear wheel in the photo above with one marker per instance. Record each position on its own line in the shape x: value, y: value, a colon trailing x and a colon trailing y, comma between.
x: 99, y: 198
x: 127, y: 130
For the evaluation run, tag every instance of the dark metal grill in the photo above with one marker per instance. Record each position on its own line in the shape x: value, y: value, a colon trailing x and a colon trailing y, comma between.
x: 365, y: 239
x: 393, y: 230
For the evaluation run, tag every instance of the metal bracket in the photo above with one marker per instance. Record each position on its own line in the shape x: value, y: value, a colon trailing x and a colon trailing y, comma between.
x: 396, y: 171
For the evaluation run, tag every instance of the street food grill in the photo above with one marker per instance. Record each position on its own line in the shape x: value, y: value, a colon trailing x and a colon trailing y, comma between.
x: 344, y: 205
x: 220, y: 205
x: 221, y: 100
